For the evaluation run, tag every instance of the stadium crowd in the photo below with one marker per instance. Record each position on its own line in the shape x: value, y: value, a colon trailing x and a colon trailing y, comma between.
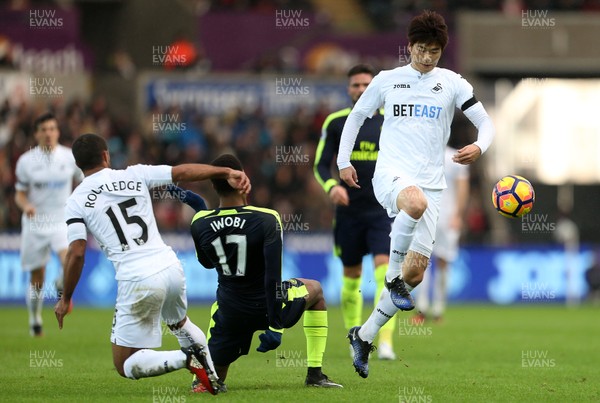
x: 277, y: 152
x: 282, y: 174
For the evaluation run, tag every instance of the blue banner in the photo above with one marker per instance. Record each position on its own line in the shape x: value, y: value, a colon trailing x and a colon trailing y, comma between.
x: 499, y: 275
x: 275, y: 95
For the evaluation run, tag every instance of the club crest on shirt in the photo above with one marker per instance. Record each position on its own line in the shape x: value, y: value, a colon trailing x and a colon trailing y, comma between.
x: 437, y: 89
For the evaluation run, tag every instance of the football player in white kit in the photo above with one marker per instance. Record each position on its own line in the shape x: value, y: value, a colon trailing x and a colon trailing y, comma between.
x: 116, y: 207
x: 447, y: 234
x: 45, y: 176
x: 419, y: 101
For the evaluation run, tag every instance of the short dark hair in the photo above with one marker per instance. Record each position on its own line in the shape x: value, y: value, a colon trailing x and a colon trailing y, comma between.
x: 361, y: 69
x: 222, y: 187
x: 87, y: 150
x: 41, y: 119
x: 428, y: 27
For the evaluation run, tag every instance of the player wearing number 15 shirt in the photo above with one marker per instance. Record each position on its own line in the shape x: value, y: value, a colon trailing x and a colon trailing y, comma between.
x: 116, y: 208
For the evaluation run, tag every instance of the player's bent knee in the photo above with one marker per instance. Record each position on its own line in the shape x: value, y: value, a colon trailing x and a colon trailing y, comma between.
x: 413, y: 201
x: 120, y: 356
x: 315, y: 299
x: 314, y: 288
x: 417, y: 207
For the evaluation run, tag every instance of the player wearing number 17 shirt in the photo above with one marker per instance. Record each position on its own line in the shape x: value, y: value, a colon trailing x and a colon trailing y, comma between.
x: 116, y: 208
x: 419, y: 100
x: 244, y: 243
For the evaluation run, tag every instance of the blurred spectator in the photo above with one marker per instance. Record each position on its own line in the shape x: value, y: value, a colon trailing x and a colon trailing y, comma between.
x: 122, y: 62
x: 5, y: 52
x: 477, y: 221
x: 592, y: 277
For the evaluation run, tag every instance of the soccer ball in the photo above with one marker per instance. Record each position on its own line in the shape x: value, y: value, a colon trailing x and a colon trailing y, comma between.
x: 513, y: 196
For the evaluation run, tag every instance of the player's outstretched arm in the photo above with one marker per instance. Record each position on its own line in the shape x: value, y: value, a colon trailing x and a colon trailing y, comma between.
x: 198, y: 172
x: 74, y: 266
x: 188, y: 197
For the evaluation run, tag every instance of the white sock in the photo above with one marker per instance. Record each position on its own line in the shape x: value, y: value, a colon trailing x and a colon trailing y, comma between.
x: 439, y: 292
x: 403, y: 231
x: 422, y: 300
x: 35, y: 301
x: 146, y: 363
x: 383, y: 312
x: 189, y: 334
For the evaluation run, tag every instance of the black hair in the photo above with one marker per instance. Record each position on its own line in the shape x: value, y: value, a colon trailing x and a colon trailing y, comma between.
x: 428, y: 27
x: 87, y: 150
x: 222, y: 187
x: 361, y: 69
x: 42, y: 119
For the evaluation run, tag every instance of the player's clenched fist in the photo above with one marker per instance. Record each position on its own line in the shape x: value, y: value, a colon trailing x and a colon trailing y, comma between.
x: 269, y: 340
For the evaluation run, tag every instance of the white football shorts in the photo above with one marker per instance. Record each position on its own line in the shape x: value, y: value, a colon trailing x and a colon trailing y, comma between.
x: 142, y: 304
x: 38, y: 240
x: 387, y: 185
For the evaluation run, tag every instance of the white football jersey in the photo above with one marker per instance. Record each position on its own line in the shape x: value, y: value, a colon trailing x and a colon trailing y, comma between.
x: 47, y: 179
x: 419, y: 109
x: 116, y: 207
x: 452, y: 172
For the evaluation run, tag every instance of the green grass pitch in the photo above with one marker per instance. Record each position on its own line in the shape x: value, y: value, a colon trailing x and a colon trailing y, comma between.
x: 479, y: 354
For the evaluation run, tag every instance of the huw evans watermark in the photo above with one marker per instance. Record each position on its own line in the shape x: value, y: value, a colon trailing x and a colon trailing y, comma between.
x: 291, y: 19
x: 537, y: 223
x: 291, y: 86
x: 168, y: 55
x: 536, y: 359
x: 408, y: 327
x: 290, y: 359
x: 535, y: 291
x: 293, y: 223
x: 45, y: 292
x: 44, y: 359
x: 45, y: 19
x: 291, y: 155
x: 45, y: 87
x: 413, y: 394
x: 45, y: 223
x: 403, y: 55
x: 168, y: 394
x: 167, y: 122
x: 537, y: 19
